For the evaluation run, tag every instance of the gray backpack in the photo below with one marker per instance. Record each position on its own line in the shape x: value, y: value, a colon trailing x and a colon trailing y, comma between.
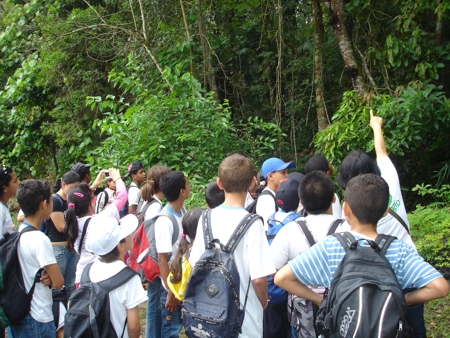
x: 364, y: 299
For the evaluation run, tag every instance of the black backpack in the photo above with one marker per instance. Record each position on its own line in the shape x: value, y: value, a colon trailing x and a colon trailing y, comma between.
x: 252, y: 207
x: 15, y: 302
x: 88, y: 314
x: 364, y: 298
x: 211, y: 306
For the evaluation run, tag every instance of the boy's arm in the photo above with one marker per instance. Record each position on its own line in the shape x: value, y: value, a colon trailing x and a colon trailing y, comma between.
x: 285, y: 279
x: 134, y: 322
x: 57, y: 280
x: 437, y: 288
x: 260, y: 286
x: 378, y: 139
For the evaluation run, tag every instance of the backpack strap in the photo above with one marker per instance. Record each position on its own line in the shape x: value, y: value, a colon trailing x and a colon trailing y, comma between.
x: 289, y: 218
x: 86, y: 223
x: 334, y: 226
x: 207, y: 231
x: 398, y: 218
x: 146, y: 206
x: 85, y: 274
x: 307, y: 233
x: 240, y: 231
x: 267, y: 192
x: 346, y: 239
x: 383, y: 241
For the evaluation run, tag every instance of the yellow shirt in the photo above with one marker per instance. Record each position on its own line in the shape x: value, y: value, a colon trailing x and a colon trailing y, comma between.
x: 179, y: 289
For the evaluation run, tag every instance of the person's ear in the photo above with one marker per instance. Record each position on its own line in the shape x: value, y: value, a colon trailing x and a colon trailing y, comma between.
x: 219, y: 183
x: 334, y: 198
x: 346, y: 209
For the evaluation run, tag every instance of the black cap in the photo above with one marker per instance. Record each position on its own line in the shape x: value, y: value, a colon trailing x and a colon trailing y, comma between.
x: 81, y: 169
x: 287, y: 195
x: 133, y: 168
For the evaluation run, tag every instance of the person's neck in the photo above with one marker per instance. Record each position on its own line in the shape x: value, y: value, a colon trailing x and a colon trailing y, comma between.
x: 62, y: 194
x: 176, y: 205
x: 329, y: 211
x: 159, y: 194
x: 4, y: 199
x: 137, y: 183
x: 368, y: 230
x: 272, y: 186
x: 235, y: 199
x: 34, y: 220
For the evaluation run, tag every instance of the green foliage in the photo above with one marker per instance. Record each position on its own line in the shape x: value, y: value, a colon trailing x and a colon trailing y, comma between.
x: 416, y: 125
x: 430, y: 226
x: 176, y: 124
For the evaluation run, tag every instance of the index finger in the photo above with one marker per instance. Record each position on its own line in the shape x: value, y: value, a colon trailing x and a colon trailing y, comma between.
x: 371, y: 113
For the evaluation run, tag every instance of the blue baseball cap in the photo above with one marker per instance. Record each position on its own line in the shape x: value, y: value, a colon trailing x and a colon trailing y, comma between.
x: 275, y: 164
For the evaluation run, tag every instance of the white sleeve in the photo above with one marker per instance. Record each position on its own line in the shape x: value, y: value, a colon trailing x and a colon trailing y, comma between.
x: 336, y: 206
x: 111, y: 211
x: 279, y: 248
x: 135, y: 293
x: 258, y: 252
x: 265, y: 207
x: 134, y: 195
x: 163, y: 234
x: 44, y: 252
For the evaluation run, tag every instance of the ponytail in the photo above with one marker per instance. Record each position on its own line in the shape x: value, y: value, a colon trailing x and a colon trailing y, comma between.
x: 151, y: 186
x: 189, y: 223
x: 79, y: 200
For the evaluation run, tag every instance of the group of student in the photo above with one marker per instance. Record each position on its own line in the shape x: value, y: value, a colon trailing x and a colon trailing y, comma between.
x: 88, y: 236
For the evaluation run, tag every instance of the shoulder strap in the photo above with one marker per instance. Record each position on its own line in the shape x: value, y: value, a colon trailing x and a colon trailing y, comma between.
x: 207, y: 231
x: 176, y: 229
x: 85, y: 275
x: 119, y: 279
x: 346, y: 239
x: 307, y: 233
x: 268, y: 192
x: 240, y: 231
x: 334, y: 226
x: 86, y: 223
x: 383, y: 241
x: 398, y: 218
x: 59, y: 199
x: 146, y: 206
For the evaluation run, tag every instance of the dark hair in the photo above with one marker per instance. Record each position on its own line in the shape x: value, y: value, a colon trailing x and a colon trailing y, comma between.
x: 31, y: 193
x: 357, y: 162
x: 189, y: 222
x: 5, y: 178
x: 68, y: 178
x: 367, y: 196
x: 317, y: 162
x: 81, y: 198
x: 112, y: 255
x: 213, y: 195
x: 236, y: 173
x: 171, y: 184
x: 316, y: 192
x: 152, y: 185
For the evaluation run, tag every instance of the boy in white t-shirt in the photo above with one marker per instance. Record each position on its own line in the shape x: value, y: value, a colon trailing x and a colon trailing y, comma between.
x: 175, y: 188
x: 35, y: 252
x: 316, y: 194
x: 252, y: 256
x: 137, y: 173
x: 274, y: 171
x: 110, y: 239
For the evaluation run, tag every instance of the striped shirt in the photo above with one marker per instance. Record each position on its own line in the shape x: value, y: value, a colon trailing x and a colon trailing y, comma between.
x: 317, y: 265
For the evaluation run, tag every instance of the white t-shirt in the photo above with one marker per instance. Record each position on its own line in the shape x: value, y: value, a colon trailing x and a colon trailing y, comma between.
x: 87, y: 257
x: 153, y: 209
x: 291, y: 241
x: 164, y: 232
x: 125, y: 297
x: 134, y: 194
x: 35, y: 252
x: 265, y: 206
x: 5, y: 219
x: 252, y: 258
x: 336, y: 207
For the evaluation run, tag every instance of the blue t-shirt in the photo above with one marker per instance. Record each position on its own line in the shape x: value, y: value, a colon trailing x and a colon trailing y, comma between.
x: 317, y: 265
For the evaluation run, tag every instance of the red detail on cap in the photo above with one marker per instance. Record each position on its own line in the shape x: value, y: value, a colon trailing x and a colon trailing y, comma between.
x: 280, y: 202
x: 285, y: 179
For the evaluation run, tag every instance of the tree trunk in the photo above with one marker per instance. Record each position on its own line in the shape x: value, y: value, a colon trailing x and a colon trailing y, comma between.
x: 352, y: 67
x: 322, y: 120
x: 439, y: 26
x: 188, y: 37
x: 208, y: 70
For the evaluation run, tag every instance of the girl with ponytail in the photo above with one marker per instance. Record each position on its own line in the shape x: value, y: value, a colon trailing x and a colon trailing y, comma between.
x: 80, y: 210
x: 180, y: 269
x: 151, y: 192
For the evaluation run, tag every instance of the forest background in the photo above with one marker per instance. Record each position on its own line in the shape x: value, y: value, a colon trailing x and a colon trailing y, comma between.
x: 183, y: 82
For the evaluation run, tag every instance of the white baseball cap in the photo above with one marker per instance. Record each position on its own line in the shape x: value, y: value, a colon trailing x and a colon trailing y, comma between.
x: 106, y: 232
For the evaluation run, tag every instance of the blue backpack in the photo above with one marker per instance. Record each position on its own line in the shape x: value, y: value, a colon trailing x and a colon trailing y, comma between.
x: 211, y: 306
x: 276, y: 293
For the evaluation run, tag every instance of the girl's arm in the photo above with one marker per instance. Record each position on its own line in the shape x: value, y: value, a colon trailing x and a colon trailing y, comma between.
x: 58, y: 220
x: 378, y: 139
x: 121, y: 189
